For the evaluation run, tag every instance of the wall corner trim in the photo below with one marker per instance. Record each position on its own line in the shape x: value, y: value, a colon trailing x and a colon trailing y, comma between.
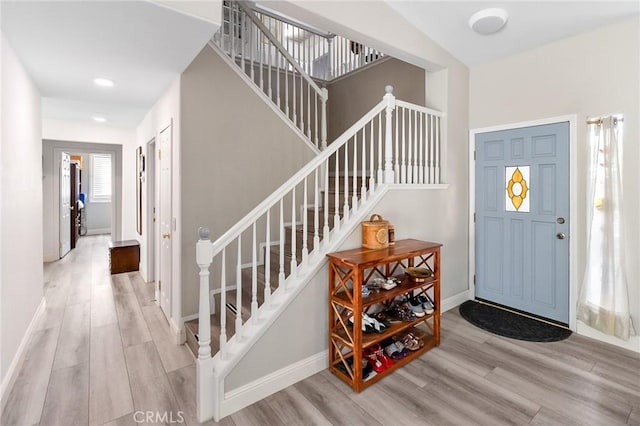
x: 256, y: 390
x: 455, y: 300
x: 18, y: 359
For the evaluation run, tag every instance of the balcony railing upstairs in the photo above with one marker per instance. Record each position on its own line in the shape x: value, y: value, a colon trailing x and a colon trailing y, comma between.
x: 249, y: 43
x: 322, y: 55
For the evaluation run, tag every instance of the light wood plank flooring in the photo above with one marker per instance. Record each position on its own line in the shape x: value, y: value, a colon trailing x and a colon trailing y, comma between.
x: 102, y: 351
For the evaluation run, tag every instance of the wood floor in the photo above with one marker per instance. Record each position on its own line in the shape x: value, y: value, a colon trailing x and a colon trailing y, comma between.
x: 102, y: 352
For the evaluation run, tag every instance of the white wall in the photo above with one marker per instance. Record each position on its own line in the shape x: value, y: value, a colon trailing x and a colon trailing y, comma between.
x: 593, y: 74
x: 21, y: 284
x: 165, y: 112
x: 90, y: 134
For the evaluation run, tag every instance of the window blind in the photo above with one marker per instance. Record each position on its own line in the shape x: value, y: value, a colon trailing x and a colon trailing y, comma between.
x: 100, y: 177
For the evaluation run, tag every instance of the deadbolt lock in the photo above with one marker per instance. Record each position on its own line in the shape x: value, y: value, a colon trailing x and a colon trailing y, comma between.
x: 167, y: 235
x: 560, y: 220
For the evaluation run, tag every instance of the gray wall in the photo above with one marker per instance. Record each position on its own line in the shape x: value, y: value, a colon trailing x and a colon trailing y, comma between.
x: 234, y: 152
x: 21, y: 275
x: 354, y: 95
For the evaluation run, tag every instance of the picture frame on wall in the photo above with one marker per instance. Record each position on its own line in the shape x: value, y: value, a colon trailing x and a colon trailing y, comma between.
x: 140, y: 180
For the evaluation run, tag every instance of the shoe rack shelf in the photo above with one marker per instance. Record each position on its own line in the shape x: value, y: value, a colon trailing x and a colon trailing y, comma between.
x: 348, y: 271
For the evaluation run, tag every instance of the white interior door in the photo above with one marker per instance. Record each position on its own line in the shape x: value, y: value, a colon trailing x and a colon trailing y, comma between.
x: 152, y: 201
x: 165, y: 219
x: 65, y: 204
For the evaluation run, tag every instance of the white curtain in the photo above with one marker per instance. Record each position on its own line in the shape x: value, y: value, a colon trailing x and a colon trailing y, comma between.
x: 604, y: 302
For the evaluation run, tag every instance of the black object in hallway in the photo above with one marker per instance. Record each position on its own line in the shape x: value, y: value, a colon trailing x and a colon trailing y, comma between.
x: 508, y: 324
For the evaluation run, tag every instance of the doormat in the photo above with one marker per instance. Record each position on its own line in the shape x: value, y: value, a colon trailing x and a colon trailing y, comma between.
x: 509, y: 324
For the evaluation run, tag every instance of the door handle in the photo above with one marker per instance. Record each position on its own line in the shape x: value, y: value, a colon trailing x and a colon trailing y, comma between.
x: 560, y: 235
x: 167, y: 235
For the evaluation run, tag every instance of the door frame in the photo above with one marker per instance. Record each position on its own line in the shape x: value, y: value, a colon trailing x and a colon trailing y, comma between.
x: 573, y: 197
x: 173, y: 312
x: 53, y: 148
x: 62, y: 158
x: 152, y: 199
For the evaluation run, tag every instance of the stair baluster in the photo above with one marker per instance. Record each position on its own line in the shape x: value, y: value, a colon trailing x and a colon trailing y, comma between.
x: 422, y: 127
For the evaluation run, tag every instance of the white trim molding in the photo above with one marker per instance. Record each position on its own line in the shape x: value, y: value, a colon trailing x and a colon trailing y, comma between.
x: 18, y: 359
x: 572, y: 119
x: 633, y: 344
x: 455, y: 300
x: 261, y: 388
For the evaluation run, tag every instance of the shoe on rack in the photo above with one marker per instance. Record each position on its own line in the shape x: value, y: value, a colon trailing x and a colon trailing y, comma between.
x: 370, y: 325
x: 386, y: 361
x: 416, y: 306
x: 382, y: 318
x: 427, y: 304
x: 401, y: 312
x: 408, y: 341
x: 372, y: 358
x: 392, y: 350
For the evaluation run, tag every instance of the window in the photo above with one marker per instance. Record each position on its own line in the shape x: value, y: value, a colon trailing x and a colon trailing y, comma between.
x: 100, y: 178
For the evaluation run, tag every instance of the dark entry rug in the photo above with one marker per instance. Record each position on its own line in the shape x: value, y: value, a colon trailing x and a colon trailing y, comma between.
x: 509, y: 324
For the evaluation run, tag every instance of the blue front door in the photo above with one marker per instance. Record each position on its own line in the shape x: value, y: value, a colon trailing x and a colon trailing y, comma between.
x: 522, y: 219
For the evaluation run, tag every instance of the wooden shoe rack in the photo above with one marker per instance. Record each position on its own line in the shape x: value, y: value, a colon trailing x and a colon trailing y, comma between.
x: 348, y: 271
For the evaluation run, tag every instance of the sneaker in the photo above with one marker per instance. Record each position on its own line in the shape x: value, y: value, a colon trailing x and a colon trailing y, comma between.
x: 416, y: 306
x: 427, y: 304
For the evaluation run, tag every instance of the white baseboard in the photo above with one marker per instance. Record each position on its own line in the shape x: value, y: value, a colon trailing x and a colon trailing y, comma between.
x: 12, y: 372
x: 633, y: 344
x: 261, y: 388
x: 98, y: 231
x: 455, y: 300
x: 179, y: 333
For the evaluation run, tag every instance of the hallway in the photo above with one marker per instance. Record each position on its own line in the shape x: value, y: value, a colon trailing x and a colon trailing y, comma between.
x: 101, y: 350
x: 102, y: 354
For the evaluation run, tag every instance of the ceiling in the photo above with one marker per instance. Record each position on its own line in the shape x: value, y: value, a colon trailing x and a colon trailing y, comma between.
x: 530, y: 24
x: 139, y: 45
x: 143, y: 46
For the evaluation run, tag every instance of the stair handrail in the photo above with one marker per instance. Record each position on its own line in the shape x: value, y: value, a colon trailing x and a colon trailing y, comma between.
x: 290, y: 21
x: 283, y: 51
x: 410, y: 157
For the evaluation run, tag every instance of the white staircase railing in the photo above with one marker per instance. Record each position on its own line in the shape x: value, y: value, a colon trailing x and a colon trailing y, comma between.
x: 250, y: 44
x: 395, y: 142
x: 322, y: 55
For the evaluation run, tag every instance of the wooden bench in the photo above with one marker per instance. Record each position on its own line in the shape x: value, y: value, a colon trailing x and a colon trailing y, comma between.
x: 124, y: 256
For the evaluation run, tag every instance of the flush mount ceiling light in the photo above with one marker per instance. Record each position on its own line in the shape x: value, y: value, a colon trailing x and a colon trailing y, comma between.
x: 488, y: 21
x: 99, y: 119
x: 103, y: 82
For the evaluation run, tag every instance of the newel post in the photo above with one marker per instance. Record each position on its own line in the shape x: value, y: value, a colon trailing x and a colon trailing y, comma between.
x: 323, y: 128
x: 204, y: 257
x: 388, y: 137
x: 207, y: 386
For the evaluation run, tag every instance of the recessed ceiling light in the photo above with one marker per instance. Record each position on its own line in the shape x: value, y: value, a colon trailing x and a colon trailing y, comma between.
x: 99, y: 119
x: 488, y: 21
x: 103, y: 82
